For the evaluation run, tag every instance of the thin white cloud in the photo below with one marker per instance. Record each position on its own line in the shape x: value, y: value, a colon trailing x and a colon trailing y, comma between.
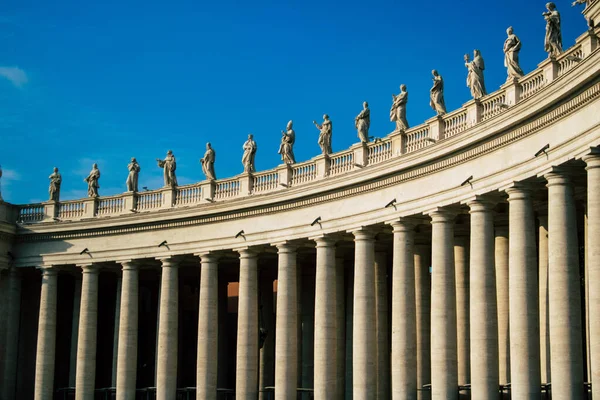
x: 15, y: 75
x: 8, y: 177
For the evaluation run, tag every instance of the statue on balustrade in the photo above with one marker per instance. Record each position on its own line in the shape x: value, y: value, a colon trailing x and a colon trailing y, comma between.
x: 208, y: 163
x: 325, y: 136
x: 398, y: 110
x: 363, y: 122
x: 286, y: 148
x: 590, y: 22
x: 92, y: 181
x: 132, y: 178
x: 249, y: 153
x: 512, y: 46
x: 475, y: 80
x: 553, y: 40
x: 436, y: 94
x: 55, y: 181
x: 169, y: 165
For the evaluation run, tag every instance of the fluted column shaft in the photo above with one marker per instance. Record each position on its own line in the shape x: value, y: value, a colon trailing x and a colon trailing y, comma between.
x: 85, y: 377
x: 444, y: 366
x: 325, y: 320
x: 404, y: 320
x: 382, y: 336
x: 208, y: 329
x: 168, y: 328
x: 74, y: 330
x: 483, y: 306
x: 592, y: 247
x: 422, y: 260
x: 363, y: 338
x: 116, y: 329
x: 563, y: 285
x: 463, y: 332
x: 246, y: 381
x: 502, y: 297
x: 340, y: 316
x: 11, y: 344
x: 286, y: 334
x: 544, y: 299
x: 128, y: 332
x: 46, y: 340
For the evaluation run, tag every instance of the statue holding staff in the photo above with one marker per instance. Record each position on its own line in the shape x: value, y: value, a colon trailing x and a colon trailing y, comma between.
x: 553, y: 39
x: 208, y: 163
x: 325, y: 136
x: 512, y: 46
x: 132, y: 178
x: 436, y: 94
x: 363, y: 122
x: 92, y: 181
x: 286, y: 148
x: 249, y: 153
x: 475, y: 80
x: 55, y: 182
x: 169, y: 165
x: 398, y: 110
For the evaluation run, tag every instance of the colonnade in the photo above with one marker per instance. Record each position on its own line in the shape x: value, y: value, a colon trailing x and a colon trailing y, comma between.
x: 499, y: 306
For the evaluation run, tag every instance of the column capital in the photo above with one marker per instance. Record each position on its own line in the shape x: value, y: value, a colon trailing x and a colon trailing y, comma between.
x: 442, y: 215
x: 480, y: 204
x: 518, y: 191
x: 285, y: 247
x: 324, y: 241
x: 592, y: 159
x: 89, y: 268
x: 247, y: 252
x: 404, y: 224
x: 129, y: 265
x: 49, y: 270
x: 557, y: 176
x: 208, y: 257
x: 363, y: 233
x: 168, y: 262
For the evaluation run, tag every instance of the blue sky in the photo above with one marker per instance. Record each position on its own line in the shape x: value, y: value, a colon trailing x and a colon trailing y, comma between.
x: 102, y: 81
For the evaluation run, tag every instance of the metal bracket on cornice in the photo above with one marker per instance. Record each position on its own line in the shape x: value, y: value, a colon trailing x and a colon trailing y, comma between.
x: 543, y: 150
x: 85, y: 251
x: 468, y: 180
x: 240, y: 233
x: 391, y: 204
x: 316, y: 221
x: 164, y: 243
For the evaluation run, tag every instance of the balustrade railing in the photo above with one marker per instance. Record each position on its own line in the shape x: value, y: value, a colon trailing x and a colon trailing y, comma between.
x: 305, y: 172
x: 532, y: 83
x: 189, y: 194
x: 227, y: 188
x: 569, y: 59
x: 493, y: 105
x: 71, y: 209
x: 149, y: 200
x: 417, y: 138
x: 341, y: 163
x: 31, y: 213
x: 266, y: 181
x: 379, y: 151
x: 110, y: 205
x: 455, y: 122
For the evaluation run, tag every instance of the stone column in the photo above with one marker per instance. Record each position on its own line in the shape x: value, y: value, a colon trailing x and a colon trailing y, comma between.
x: 325, y: 377
x: 349, y: 274
x: 523, y: 297
x: 266, y: 321
x: 286, y: 335
x: 404, y: 320
x: 382, y: 336
x: 483, y: 306
x: 563, y: 284
x: 128, y: 332
x: 168, y: 328
x: 246, y: 380
x: 363, y: 343
x: 502, y: 285
x: 11, y: 343
x: 422, y: 260
x: 444, y: 365
x: 544, y: 299
x: 307, y: 325
x: 85, y: 377
x: 116, y: 330
x: 340, y: 316
x: 46, y: 340
x: 592, y: 247
x: 208, y: 328
x: 463, y: 332
x: 75, y: 330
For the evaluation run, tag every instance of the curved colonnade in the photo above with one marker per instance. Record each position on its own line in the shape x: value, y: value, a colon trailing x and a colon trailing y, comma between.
x: 447, y: 269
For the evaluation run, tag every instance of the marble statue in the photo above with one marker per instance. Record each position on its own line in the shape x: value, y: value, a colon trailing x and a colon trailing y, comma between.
x: 475, y: 80
x: 92, y: 181
x: 55, y: 181
x: 584, y: 2
x: 286, y: 148
x: 249, y: 153
x: 132, y: 178
x: 169, y: 165
x: 208, y: 163
x: 553, y: 40
x: 398, y: 110
x: 363, y: 122
x: 325, y: 136
x: 512, y: 46
x: 436, y: 94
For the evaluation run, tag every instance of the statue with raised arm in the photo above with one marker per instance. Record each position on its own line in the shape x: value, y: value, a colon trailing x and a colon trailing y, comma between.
x: 249, y: 153
x: 590, y: 22
x: 436, y: 94
x: 553, y: 39
x: 55, y: 181
x: 92, y: 181
x: 208, y: 163
x: 512, y: 46
x: 132, y: 178
x: 326, y: 130
x: 398, y: 110
x: 169, y: 165
x: 286, y: 148
x: 363, y: 122
x: 475, y: 80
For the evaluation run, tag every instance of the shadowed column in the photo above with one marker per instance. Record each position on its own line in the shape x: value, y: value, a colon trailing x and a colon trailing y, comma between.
x: 340, y: 316
x: 563, y: 285
x: 85, y: 377
x: 382, y: 336
x: 463, y: 332
x: 502, y: 289
x: 544, y: 299
x: 422, y: 260
x: 11, y: 344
